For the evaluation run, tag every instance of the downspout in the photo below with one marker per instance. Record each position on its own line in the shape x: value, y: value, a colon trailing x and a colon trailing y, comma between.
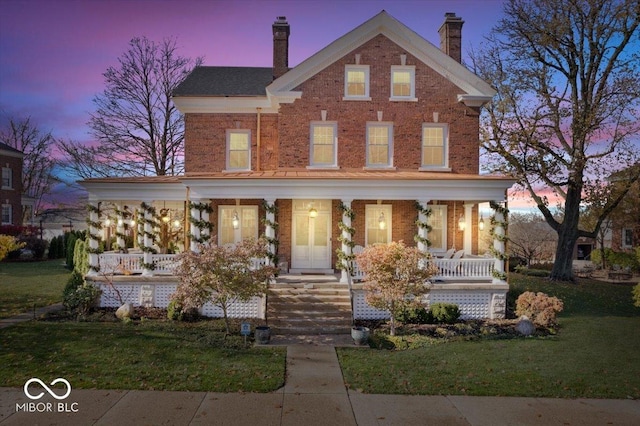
x: 187, y: 222
x: 258, y: 142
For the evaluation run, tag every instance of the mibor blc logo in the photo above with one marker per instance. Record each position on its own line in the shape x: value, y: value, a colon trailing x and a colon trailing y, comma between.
x: 47, y: 407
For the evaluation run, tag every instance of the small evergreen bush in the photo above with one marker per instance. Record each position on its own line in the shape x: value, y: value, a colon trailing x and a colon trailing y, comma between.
x: 78, y: 296
x: 445, y: 313
x: 414, y: 315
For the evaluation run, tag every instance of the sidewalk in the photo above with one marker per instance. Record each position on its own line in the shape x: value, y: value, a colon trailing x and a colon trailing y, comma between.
x: 27, y: 316
x: 314, y: 394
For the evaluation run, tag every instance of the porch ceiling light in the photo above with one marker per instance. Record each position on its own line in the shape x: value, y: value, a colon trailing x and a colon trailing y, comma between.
x: 236, y: 220
x: 176, y: 223
x: 313, y: 213
x: 120, y: 222
x: 461, y: 223
x: 481, y: 223
x: 382, y: 223
x: 164, y: 213
x: 107, y: 222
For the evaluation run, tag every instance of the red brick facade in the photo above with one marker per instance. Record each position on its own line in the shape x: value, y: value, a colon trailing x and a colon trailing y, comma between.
x: 12, y: 196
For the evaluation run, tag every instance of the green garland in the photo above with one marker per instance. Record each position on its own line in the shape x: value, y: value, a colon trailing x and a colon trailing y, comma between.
x: 151, y: 211
x: 345, y: 261
x: 92, y: 236
x: 200, y: 223
x: 273, y: 209
x: 423, y: 225
x: 502, y: 238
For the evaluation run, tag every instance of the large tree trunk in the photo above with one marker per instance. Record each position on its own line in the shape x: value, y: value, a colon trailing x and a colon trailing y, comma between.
x: 567, y: 236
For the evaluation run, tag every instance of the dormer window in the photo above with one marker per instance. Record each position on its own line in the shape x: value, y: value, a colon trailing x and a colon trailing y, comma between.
x: 238, y: 150
x: 356, y: 82
x: 403, y: 83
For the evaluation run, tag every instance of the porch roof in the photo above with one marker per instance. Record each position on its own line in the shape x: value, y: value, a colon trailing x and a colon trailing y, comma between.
x: 303, y: 184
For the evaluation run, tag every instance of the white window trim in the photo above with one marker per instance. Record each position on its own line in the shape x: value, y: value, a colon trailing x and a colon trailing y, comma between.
x: 228, y: 150
x: 367, y: 96
x: 237, y: 233
x: 445, y: 152
x: 412, y: 72
x: 375, y: 210
x: 439, y: 250
x: 389, y: 165
x: 334, y: 163
x: 9, y: 172
x: 9, y: 208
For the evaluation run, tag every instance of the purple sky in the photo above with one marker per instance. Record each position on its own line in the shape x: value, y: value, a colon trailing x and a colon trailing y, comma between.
x: 53, y: 52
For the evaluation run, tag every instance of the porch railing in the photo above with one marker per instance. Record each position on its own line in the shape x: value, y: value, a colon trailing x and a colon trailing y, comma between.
x: 468, y: 269
x: 131, y: 263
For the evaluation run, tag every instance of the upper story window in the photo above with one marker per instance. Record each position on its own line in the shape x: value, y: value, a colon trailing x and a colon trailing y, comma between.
x: 238, y: 150
x: 435, y: 146
x: 379, y: 144
x: 356, y: 82
x: 7, y: 178
x: 403, y: 83
x: 324, y: 144
x: 627, y: 238
x: 438, y: 233
x: 237, y: 223
x: 7, y: 217
x: 378, y: 223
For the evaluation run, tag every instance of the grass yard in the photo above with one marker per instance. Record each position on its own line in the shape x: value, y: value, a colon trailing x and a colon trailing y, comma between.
x: 146, y: 355
x: 596, y: 354
x: 24, y: 285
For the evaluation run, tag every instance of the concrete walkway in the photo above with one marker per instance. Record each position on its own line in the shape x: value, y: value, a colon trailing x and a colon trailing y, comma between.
x: 314, y: 394
x: 28, y: 316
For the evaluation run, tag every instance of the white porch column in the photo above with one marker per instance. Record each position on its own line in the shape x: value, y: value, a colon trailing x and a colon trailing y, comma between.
x: 194, y: 231
x: 423, y: 233
x: 468, y: 229
x: 140, y: 226
x: 346, y: 238
x: 120, y: 241
x: 94, y: 233
x: 269, y: 230
x: 148, y: 241
x: 499, y: 246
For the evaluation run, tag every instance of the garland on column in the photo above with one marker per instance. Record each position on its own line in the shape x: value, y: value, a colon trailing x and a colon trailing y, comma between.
x: 345, y: 261
x: 502, y: 238
x: 95, y: 237
x: 148, y: 210
x: 200, y: 223
x: 123, y: 215
x: 273, y: 209
x: 423, y: 225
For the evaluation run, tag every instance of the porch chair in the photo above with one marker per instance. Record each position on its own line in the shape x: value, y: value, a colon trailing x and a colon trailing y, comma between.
x: 449, y: 253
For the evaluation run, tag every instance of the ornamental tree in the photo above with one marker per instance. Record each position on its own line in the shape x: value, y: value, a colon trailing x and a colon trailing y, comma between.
x: 222, y: 275
x: 396, y: 276
x: 8, y: 244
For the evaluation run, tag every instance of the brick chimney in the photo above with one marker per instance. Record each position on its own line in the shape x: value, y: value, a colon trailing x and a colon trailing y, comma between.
x: 451, y: 36
x: 281, y: 32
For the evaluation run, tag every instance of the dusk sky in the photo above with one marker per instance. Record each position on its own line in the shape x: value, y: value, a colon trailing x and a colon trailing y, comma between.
x: 53, y: 52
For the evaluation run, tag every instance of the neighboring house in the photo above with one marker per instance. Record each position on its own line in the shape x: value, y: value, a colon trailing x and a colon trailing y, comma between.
x: 380, y: 123
x: 12, y: 200
x: 625, y: 220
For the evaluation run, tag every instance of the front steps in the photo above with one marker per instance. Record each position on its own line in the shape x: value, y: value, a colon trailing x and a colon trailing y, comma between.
x: 308, y: 305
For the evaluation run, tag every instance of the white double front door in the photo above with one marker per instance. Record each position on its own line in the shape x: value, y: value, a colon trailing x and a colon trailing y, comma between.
x: 311, y: 235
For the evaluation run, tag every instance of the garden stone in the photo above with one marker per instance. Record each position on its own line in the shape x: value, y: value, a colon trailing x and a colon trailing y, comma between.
x: 525, y: 326
x: 124, y: 311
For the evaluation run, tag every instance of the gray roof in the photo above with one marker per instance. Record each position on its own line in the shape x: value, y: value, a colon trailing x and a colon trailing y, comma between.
x: 225, y: 81
x: 9, y: 148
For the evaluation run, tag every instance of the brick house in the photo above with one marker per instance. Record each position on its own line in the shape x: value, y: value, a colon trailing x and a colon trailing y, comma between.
x: 377, y: 131
x: 11, y: 186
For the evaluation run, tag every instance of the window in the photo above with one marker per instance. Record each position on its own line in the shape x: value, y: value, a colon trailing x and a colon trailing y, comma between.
x: 7, y: 178
x: 7, y: 217
x: 238, y: 150
x: 438, y: 234
x: 403, y: 83
x: 356, y: 82
x: 627, y: 238
x: 434, y: 146
x: 377, y: 223
x: 324, y: 144
x: 246, y: 218
x: 379, y: 144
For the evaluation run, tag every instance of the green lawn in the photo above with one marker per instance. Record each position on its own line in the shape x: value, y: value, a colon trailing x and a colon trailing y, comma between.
x: 158, y: 355
x: 596, y: 354
x: 24, y: 285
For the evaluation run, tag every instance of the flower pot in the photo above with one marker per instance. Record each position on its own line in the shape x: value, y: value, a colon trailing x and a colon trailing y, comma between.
x: 262, y: 334
x: 360, y: 335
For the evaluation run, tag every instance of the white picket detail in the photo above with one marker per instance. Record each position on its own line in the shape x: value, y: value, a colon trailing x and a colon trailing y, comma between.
x: 477, y: 269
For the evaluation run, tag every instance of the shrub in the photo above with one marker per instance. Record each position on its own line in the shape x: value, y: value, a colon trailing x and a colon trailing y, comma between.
x: 444, y: 313
x: 33, y: 244
x: 540, y: 308
x: 70, y: 245
x: 417, y: 314
x: 176, y: 312
x: 7, y: 245
x: 78, y: 296
x: 636, y: 295
x: 80, y: 258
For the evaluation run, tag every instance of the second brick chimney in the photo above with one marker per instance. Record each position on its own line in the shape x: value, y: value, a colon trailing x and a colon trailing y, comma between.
x: 451, y: 36
x: 281, y: 32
